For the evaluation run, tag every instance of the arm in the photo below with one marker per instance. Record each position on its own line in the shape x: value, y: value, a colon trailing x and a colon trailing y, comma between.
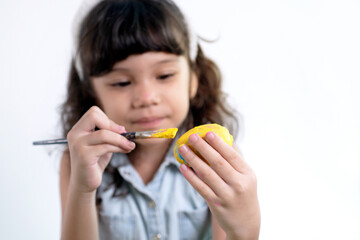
x: 227, y: 183
x: 81, y: 171
x: 217, y: 232
x: 79, y: 219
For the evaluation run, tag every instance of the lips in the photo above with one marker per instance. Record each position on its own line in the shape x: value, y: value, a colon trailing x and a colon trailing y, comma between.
x: 148, y: 122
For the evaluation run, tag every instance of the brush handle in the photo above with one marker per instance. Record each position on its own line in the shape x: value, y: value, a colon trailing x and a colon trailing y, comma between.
x: 129, y: 136
x: 160, y: 133
x: 52, y: 141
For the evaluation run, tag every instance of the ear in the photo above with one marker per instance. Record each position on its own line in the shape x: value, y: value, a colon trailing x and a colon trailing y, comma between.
x: 194, y: 84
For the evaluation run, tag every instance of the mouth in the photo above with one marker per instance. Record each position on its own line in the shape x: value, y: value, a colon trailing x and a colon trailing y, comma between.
x: 148, y: 123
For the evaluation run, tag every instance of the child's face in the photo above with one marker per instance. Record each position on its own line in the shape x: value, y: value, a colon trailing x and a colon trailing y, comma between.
x: 147, y: 91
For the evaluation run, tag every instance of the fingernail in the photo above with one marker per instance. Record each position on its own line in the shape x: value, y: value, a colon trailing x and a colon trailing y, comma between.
x: 131, y: 144
x: 193, y: 138
x: 121, y: 129
x: 183, y: 169
x: 183, y: 149
x: 210, y: 135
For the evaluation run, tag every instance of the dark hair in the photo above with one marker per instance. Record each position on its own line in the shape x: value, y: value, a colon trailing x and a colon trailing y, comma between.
x: 116, y: 29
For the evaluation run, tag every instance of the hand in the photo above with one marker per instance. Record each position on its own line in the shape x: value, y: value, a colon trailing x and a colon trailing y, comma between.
x: 226, y: 182
x: 91, y: 151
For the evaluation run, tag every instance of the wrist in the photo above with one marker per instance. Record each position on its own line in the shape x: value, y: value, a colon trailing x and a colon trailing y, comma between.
x: 244, y: 234
x: 83, y: 182
x: 250, y: 232
x: 81, y: 194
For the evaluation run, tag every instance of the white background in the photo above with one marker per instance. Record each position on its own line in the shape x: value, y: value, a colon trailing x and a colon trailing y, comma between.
x: 292, y: 68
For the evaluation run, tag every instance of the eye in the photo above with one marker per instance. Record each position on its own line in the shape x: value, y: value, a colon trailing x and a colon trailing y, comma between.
x: 121, y: 84
x: 165, y: 76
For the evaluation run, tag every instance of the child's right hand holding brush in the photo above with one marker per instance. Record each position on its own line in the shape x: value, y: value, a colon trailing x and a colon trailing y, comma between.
x: 82, y: 169
x: 90, y: 151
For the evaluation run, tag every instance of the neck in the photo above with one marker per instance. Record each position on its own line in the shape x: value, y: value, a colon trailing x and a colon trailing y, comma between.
x: 146, y: 158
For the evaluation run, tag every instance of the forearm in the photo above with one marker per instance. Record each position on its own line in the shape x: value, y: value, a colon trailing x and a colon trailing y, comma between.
x: 250, y: 235
x: 80, y: 218
x: 249, y: 232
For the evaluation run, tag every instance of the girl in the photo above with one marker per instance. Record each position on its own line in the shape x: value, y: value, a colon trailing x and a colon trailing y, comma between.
x: 137, y: 67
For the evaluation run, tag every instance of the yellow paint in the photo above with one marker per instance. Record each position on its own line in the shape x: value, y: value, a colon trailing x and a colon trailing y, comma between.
x: 165, y: 133
x: 201, y: 131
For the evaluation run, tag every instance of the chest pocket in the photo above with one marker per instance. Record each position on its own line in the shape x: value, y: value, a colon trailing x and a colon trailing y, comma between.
x: 195, y: 224
x: 118, y: 227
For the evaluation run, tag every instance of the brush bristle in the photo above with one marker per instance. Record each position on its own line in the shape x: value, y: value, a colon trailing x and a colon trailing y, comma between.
x: 165, y: 133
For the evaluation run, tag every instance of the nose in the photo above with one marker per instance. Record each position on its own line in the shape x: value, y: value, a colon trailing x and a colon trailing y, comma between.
x: 145, y: 95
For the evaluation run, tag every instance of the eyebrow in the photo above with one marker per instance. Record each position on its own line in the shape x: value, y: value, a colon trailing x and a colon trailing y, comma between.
x: 125, y: 69
x: 166, y: 61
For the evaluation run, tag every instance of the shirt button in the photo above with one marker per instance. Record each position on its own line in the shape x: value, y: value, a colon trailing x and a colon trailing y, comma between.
x: 157, y: 237
x: 151, y: 204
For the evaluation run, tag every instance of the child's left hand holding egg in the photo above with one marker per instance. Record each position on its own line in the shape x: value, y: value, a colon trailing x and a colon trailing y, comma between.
x: 226, y: 182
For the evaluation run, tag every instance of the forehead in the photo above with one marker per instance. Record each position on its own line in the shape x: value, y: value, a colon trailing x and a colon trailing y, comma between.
x: 150, y: 60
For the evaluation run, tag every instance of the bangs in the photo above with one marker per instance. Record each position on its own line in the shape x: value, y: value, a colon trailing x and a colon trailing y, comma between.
x: 115, y: 30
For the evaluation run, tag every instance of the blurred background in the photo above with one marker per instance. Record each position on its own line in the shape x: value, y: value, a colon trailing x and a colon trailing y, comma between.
x: 290, y: 67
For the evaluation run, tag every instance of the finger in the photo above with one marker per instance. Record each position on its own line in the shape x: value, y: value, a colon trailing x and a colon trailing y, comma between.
x: 204, y: 171
x: 95, y: 117
x: 101, y: 149
x: 111, y: 138
x: 214, y: 158
x: 227, y: 152
x: 201, y: 187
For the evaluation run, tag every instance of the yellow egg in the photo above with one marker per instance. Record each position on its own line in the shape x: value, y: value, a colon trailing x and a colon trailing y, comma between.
x: 201, y: 131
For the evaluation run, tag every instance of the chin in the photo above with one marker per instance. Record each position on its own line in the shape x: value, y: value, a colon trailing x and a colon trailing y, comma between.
x: 152, y: 141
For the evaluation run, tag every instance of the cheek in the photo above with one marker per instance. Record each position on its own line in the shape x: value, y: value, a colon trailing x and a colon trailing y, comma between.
x: 179, y: 98
x: 113, y: 106
x: 117, y: 113
x: 179, y: 93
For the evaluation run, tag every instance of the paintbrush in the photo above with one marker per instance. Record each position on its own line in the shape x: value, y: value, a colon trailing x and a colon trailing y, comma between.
x: 160, y: 133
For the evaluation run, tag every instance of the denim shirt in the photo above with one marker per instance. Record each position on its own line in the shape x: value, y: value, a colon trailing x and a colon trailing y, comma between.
x: 168, y: 207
